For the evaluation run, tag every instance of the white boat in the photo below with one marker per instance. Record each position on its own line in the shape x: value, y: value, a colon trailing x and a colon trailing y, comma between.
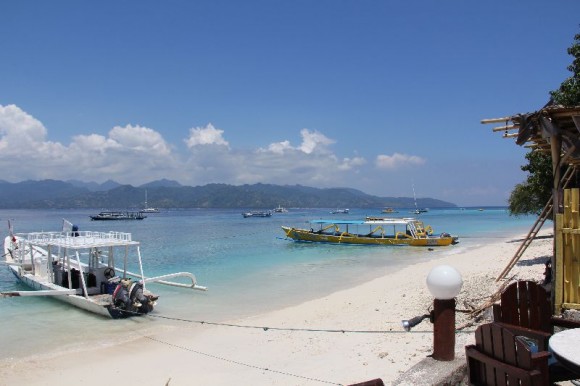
x: 417, y: 210
x: 117, y: 216
x: 257, y: 213
x: 280, y: 209
x: 78, y: 267
x: 148, y: 209
x: 343, y: 211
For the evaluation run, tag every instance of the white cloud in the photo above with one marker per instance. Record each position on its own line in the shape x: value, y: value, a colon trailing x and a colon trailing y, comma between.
x: 130, y: 154
x: 136, y: 154
x: 398, y: 160
x: 278, y: 147
x: 139, y: 138
x: 312, y: 142
x: 208, y: 135
x: 351, y: 163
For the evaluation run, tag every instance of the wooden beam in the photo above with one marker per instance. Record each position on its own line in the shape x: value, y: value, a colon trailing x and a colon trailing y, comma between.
x: 506, y: 127
x: 495, y: 120
x: 576, y: 119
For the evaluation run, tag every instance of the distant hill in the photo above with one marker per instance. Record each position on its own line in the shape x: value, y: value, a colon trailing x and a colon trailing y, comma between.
x: 170, y: 194
x: 162, y: 183
x: 93, y: 186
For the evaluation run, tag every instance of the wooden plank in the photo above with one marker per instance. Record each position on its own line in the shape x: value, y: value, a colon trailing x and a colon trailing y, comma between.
x: 535, y: 317
x: 497, y: 341
x: 509, y: 306
x: 524, y: 356
x: 558, y: 266
x: 509, y: 348
x: 523, y: 304
x: 572, y: 306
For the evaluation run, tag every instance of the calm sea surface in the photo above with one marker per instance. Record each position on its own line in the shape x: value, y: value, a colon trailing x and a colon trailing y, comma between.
x: 246, y: 263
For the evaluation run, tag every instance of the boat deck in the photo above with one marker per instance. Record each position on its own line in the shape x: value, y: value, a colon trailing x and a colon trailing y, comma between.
x: 78, y: 240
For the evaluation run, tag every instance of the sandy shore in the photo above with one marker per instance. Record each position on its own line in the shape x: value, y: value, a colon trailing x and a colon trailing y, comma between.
x: 196, y: 354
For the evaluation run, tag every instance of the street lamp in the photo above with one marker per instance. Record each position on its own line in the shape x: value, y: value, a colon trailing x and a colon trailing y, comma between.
x: 444, y: 282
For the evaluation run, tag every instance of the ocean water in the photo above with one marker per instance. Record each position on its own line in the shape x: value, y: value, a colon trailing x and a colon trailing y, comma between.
x: 247, y: 265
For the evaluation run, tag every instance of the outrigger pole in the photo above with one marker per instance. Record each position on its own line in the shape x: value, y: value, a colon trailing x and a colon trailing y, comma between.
x: 9, y: 294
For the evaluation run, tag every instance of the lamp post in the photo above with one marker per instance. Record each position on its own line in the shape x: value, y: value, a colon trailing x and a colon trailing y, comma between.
x: 444, y: 282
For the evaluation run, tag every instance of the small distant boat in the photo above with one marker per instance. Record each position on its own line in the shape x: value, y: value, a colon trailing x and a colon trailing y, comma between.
x: 371, y: 231
x: 78, y: 267
x: 417, y: 210
x: 148, y: 209
x: 337, y: 211
x: 389, y: 210
x: 118, y: 215
x: 279, y: 209
x: 256, y: 213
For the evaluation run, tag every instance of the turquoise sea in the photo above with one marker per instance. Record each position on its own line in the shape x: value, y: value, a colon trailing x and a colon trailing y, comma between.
x: 246, y: 263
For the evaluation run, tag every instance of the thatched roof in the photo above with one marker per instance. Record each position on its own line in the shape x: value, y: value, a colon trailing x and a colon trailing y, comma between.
x: 538, y: 129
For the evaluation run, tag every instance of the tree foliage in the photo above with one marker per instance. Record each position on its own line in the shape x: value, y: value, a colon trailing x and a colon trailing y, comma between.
x: 531, y: 196
x: 569, y: 92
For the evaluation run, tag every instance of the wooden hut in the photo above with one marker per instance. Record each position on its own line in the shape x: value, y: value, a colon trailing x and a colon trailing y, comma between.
x: 554, y: 130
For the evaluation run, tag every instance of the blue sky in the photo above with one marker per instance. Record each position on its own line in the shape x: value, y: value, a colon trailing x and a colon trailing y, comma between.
x: 373, y: 95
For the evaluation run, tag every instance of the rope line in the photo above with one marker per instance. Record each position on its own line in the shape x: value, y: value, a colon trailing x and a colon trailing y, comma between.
x: 291, y: 329
x: 242, y: 363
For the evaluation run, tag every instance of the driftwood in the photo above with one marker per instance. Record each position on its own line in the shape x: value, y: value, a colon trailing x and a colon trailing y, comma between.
x: 476, y: 314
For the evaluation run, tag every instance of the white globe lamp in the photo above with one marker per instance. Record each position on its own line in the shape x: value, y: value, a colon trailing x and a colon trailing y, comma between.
x: 444, y: 282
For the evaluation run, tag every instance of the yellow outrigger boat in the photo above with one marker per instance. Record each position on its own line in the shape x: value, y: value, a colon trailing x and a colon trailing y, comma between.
x: 372, y: 231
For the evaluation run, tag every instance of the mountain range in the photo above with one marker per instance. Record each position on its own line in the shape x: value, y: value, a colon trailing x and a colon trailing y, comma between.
x: 46, y: 194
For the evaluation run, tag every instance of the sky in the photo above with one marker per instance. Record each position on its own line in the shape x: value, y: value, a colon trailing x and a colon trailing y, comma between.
x: 380, y: 96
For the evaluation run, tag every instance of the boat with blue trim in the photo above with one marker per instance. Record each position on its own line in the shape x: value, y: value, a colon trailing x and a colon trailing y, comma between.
x: 371, y: 231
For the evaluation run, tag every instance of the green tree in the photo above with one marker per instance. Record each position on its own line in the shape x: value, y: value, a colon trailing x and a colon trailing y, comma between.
x: 569, y: 92
x: 531, y: 196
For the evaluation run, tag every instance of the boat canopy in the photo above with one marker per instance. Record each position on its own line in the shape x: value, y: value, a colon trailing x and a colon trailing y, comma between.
x: 338, y: 222
x: 78, y: 239
x: 368, y: 221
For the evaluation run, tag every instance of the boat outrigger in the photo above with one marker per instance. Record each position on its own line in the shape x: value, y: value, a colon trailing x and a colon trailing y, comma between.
x: 78, y: 267
x: 372, y: 231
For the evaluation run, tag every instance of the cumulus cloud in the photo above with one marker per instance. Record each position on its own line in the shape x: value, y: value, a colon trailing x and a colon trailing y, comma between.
x: 312, y: 142
x: 351, y: 163
x: 130, y: 154
x: 397, y: 160
x: 208, y: 135
x: 139, y: 138
x: 136, y: 154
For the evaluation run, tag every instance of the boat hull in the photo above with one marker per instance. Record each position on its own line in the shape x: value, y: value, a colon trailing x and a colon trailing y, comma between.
x: 75, y: 300
x: 347, y: 238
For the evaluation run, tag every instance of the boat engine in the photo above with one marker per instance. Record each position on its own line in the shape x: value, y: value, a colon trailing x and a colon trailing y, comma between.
x: 129, y: 296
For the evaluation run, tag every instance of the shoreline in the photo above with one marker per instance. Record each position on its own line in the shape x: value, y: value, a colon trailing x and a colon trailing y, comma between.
x: 185, y: 354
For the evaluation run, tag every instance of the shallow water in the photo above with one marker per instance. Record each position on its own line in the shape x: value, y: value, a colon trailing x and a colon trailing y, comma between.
x: 246, y: 263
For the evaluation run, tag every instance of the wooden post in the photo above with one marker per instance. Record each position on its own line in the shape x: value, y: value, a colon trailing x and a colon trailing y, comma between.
x: 558, y: 274
x: 444, y: 329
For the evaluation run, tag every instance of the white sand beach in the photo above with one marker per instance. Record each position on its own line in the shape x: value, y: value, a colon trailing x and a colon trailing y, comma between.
x: 201, y: 354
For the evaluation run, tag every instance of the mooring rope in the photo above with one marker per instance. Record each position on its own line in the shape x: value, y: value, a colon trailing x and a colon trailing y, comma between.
x: 242, y: 363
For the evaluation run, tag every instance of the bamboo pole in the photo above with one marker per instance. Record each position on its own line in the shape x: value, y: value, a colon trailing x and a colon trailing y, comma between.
x: 558, y: 268
x: 495, y: 120
x: 506, y: 127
